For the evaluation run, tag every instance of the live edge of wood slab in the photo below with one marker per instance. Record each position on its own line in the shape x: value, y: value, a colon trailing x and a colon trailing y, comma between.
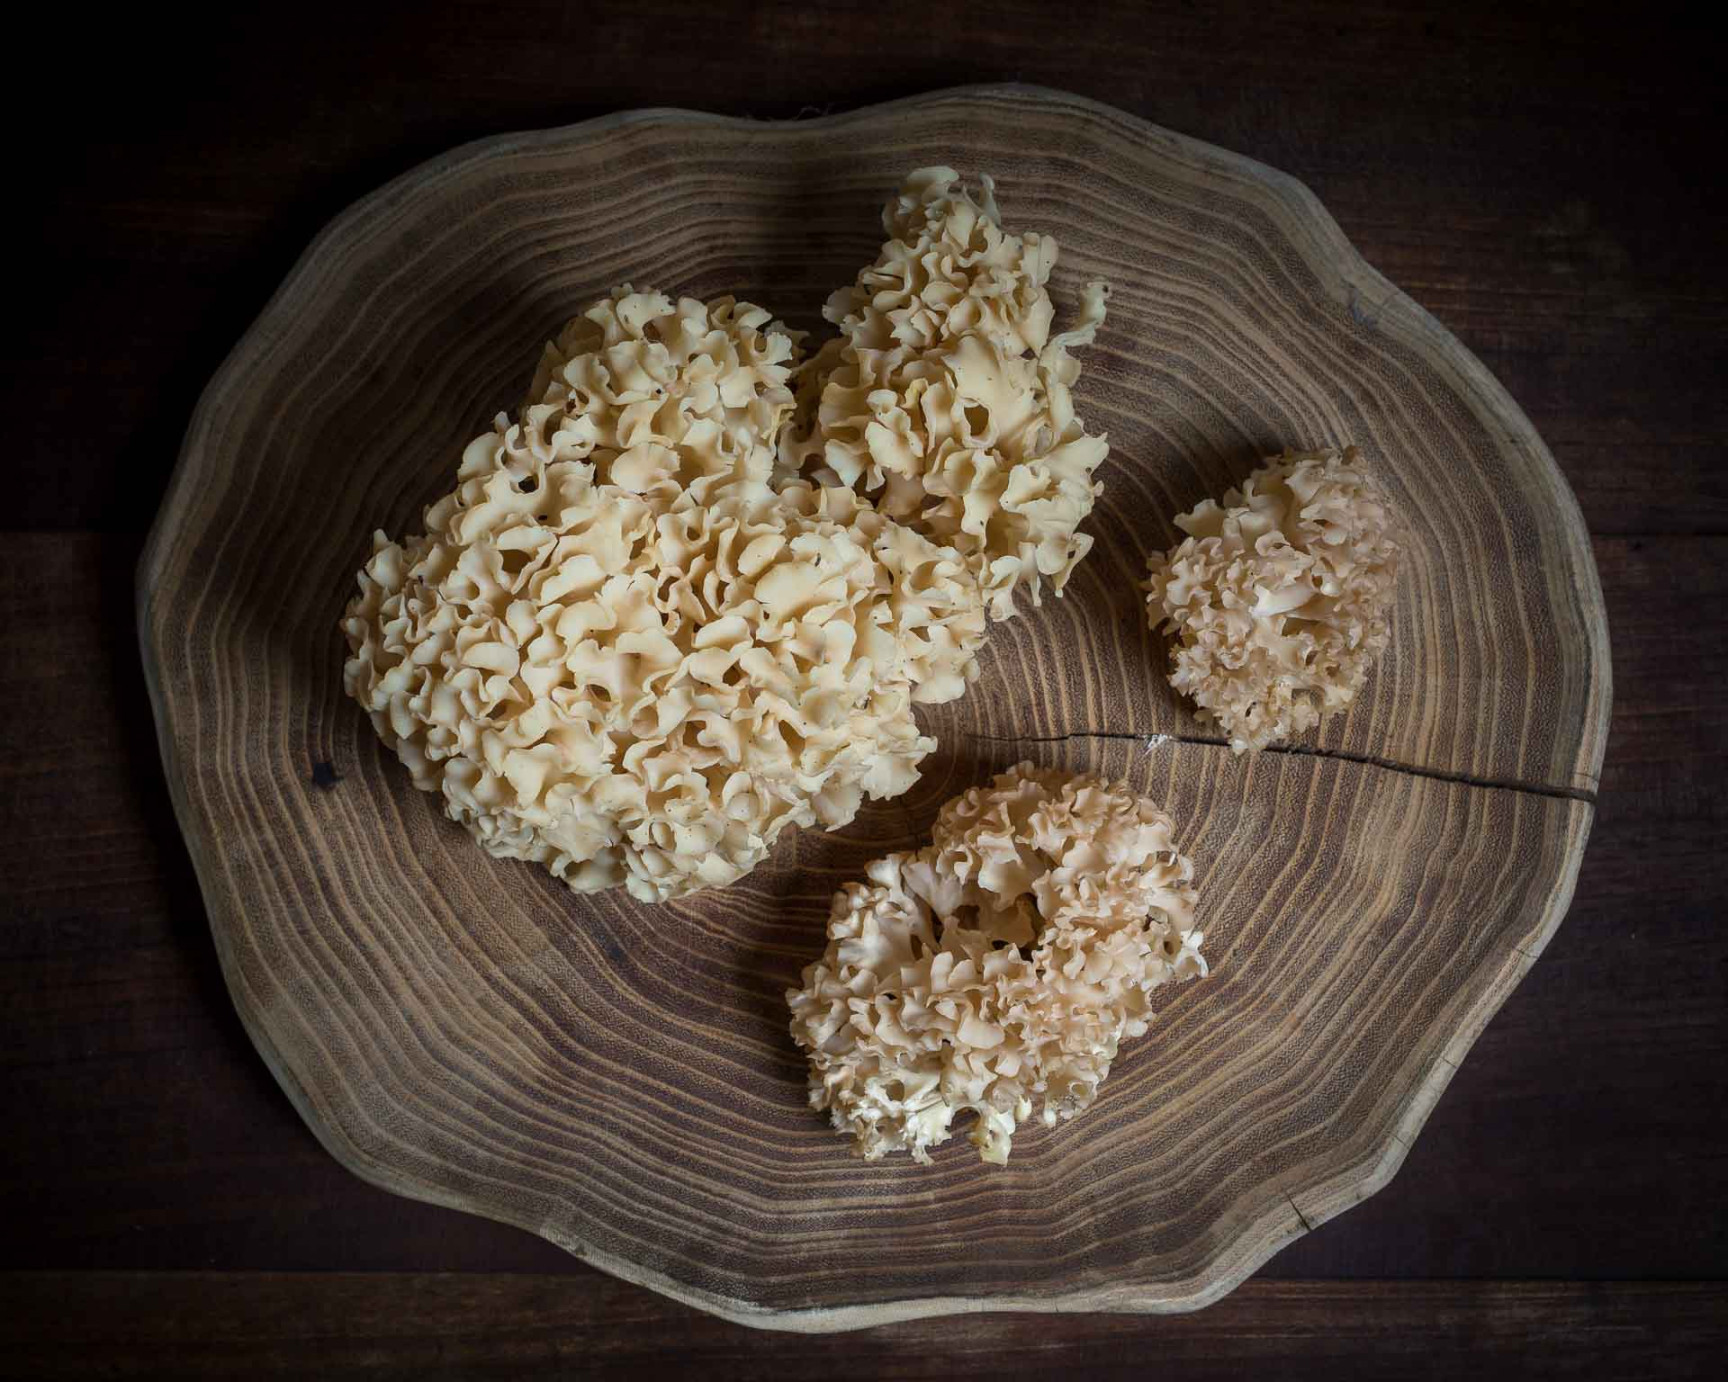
x: 616, y: 1077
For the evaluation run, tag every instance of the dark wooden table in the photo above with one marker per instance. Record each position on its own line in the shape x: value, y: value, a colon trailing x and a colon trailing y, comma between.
x: 1548, y: 181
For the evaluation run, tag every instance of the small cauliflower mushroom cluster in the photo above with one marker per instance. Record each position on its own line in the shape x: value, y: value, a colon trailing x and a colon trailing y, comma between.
x: 1004, y: 962
x: 618, y: 651
x: 1280, y: 598
x: 946, y: 400
x: 641, y: 637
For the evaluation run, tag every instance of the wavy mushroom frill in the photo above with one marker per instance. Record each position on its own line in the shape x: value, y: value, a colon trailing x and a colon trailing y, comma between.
x: 1003, y: 963
x: 664, y: 397
x: 1280, y: 598
x: 945, y: 398
x: 618, y: 652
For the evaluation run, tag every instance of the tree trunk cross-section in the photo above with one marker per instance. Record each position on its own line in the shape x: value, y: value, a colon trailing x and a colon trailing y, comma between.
x: 618, y: 1077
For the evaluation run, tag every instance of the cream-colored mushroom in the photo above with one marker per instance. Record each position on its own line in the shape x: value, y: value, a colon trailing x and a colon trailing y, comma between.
x: 946, y: 400
x: 642, y: 636
x: 1280, y: 599
x: 1001, y: 965
x: 619, y: 651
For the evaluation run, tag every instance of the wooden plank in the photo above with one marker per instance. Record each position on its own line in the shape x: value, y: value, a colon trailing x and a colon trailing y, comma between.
x: 1532, y: 180
x: 425, y: 1326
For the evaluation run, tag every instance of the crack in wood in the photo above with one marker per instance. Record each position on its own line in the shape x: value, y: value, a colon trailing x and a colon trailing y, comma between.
x: 1537, y: 789
x: 1306, y: 1226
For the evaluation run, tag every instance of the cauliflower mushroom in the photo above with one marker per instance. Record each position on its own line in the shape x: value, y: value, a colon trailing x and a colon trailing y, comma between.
x: 945, y: 398
x: 619, y: 651
x: 1280, y: 599
x: 1004, y: 962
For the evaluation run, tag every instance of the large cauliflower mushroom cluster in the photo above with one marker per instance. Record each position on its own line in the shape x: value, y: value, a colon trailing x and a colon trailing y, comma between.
x: 1003, y: 963
x: 945, y: 398
x: 617, y: 650
x: 649, y: 629
x: 1280, y: 599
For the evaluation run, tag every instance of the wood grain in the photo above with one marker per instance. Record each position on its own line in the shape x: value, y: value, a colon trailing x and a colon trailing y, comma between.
x: 148, y: 1134
x: 1525, y: 172
x: 617, y: 1078
x: 427, y: 1325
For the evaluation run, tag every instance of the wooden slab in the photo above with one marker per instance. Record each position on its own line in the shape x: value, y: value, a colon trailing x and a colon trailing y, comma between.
x: 618, y: 1077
